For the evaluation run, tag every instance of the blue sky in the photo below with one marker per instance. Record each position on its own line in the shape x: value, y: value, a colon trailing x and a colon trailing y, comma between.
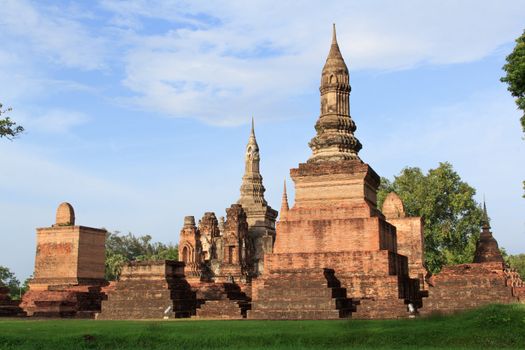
x: 138, y: 112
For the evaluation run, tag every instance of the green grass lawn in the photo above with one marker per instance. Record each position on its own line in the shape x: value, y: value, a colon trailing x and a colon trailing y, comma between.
x: 495, y: 327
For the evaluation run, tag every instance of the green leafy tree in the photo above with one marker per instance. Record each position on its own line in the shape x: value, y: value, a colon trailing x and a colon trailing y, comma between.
x: 517, y: 262
x: 8, y: 279
x: 8, y: 128
x: 515, y: 77
x: 451, y: 215
x: 121, y: 249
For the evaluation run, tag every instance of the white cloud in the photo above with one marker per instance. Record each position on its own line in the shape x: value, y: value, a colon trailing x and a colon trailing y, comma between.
x: 52, y: 121
x: 49, y: 34
x: 221, y: 61
x: 258, y: 55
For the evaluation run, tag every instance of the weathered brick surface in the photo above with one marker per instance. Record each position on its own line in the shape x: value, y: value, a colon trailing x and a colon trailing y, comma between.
x: 221, y: 300
x: 335, y: 225
x: 468, y: 286
x: 150, y: 290
x: 69, y: 269
x: 301, y: 294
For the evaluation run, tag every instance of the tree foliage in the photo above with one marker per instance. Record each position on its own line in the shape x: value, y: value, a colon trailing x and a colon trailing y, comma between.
x: 8, y: 279
x: 8, y: 128
x: 121, y: 249
x: 517, y: 262
x: 451, y: 215
x: 515, y: 77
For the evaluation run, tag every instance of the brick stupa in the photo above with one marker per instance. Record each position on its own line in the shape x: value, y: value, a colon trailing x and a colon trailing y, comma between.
x: 69, y: 269
x: 487, y: 280
x: 334, y: 248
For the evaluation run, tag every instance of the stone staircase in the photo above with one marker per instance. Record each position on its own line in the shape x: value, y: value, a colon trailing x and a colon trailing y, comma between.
x: 222, y: 300
x: 313, y: 294
x: 150, y: 290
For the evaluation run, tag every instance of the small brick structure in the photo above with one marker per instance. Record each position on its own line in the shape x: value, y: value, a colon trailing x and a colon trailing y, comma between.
x: 409, y: 233
x: 69, y: 269
x: 487, y: 280
x: 150, y: 290
x: 8, y: 307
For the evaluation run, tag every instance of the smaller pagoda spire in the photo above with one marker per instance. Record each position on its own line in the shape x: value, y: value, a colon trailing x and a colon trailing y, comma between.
x: 284, y: 204
x: 252, y: 189
x: 487, y: 249
x: 485, y: 223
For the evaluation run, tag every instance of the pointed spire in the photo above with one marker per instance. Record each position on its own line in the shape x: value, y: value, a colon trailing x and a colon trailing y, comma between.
x: 252, y: 189
x: 485, y: 220
x: 284, y: 204
x: 335, y: 58
x: 487, y: 249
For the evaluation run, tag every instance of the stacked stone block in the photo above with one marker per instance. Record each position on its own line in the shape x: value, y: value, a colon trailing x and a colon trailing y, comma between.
x: 150, y: 290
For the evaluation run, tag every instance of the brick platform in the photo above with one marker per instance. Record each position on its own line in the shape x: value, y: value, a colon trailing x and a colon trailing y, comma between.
x: 313, y: 294
x: 469, y: 286
x: 81, y: 301
x: 150, y: 290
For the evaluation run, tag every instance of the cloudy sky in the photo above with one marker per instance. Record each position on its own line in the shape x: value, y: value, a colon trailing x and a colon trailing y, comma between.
x: 137, y: 112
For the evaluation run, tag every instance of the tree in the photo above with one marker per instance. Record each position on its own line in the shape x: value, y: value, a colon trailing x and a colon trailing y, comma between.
x: 121, y: 249
x: 8, y: 128
x: 515, y: 77
x: 517, y: 262
x: 8, y: 279
x: 451, y: 215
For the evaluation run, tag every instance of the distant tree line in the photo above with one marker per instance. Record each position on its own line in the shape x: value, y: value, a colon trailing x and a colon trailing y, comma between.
x: 121, y: 249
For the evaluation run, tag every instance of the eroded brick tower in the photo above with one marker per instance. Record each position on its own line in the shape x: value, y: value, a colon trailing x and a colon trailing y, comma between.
x: 333, y: 248
x: 259, y: 215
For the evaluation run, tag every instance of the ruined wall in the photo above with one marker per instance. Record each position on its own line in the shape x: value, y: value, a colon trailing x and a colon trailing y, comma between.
x: 469, y: 286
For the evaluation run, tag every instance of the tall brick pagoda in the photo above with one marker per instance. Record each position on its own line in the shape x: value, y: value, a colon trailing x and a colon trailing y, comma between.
x: 260, y: 216
x: 334, y: 249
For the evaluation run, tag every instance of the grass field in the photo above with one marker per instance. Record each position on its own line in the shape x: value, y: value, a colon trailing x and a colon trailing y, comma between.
x: 492, y: 327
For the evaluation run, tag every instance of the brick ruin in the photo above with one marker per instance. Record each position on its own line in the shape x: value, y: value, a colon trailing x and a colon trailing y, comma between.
x: 222, y: 257
x: 332, y: 255
x: 150, y: 290
x: 410, y: 239
x: 485, y: 281
x: 335, y: 253
x: 69, y: 269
